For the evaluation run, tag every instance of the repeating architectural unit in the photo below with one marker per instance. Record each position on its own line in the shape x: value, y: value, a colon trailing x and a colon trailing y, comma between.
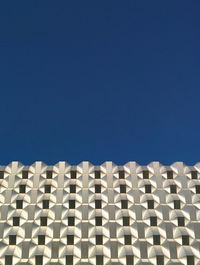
x: 105, y: 214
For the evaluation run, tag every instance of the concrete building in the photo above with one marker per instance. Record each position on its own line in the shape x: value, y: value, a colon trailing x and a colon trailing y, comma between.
x: 107, y: 214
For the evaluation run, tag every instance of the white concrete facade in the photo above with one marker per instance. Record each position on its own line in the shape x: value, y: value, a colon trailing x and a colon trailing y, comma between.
x: 107, y: 214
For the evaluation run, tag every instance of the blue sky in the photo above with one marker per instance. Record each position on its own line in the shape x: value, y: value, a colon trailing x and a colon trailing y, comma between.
x: 99, y: 80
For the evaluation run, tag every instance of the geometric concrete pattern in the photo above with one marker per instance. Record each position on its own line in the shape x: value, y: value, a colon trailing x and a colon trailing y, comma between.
x: 107, y: 214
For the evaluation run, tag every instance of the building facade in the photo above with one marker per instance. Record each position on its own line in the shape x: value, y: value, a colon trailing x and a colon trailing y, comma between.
x: 107, y: 214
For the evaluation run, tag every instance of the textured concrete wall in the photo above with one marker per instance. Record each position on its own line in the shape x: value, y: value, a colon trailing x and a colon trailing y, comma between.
x: 147, y: 214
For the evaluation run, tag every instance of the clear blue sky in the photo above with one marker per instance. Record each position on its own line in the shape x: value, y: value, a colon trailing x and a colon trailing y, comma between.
x: 100, y: 80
